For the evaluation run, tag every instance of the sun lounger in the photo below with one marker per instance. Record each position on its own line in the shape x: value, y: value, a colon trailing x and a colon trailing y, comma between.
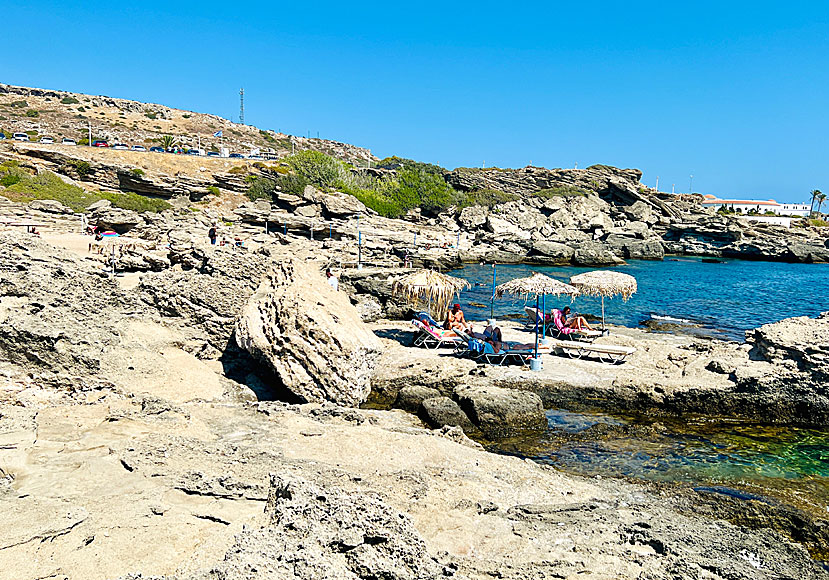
x: 431, y: 337
x: 609, y: 353
x: 534, y: 317
x: 426, y: 317
x: 561, y: 332
x: 510, y: 351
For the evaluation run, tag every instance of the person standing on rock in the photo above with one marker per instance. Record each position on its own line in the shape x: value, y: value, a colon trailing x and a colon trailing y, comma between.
x: 212, y: 234
x: 332, y: 279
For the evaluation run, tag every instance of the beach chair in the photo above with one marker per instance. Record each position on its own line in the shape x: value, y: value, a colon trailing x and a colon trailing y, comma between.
x: 426, y: 317
x: 431, y: 337
x: 510, y: 351
x: 608, y: 353
x: 559, y: 331
x: 535, y: 317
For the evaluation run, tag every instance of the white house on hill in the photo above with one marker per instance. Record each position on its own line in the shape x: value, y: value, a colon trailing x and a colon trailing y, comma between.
x: 747, y: 205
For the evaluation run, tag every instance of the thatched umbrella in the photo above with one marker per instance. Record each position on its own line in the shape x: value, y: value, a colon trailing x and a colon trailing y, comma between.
x: 431, y: 286
x: 605, y: 283
x: 537, y: 284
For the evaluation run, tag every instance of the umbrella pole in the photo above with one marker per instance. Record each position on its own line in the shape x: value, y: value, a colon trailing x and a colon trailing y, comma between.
x: 602, y: 313
x: 536, y: 328
x: 544, y: 315
x: 492, y: 300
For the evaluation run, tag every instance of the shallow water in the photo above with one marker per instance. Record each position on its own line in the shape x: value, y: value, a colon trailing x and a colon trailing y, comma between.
x: 789, y: 463
x: 722, y: 300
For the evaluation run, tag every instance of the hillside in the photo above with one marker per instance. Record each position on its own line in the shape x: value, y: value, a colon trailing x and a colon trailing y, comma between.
x: 59, y: 114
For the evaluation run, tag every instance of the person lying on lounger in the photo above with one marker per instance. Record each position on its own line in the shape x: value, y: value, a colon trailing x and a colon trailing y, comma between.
x: 455, y: 320
x: 492, y: 335
x: 577, y: 322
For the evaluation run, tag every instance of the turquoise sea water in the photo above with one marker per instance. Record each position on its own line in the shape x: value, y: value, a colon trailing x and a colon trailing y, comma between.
x: 722, y: 299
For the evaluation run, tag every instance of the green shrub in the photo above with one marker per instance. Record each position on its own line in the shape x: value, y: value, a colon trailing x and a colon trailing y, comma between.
x: 135, y: 202
x: 19, y: 104
x: 81, y: 167
x: 420, y: 188
x: 318, y: 168
x: 186, y: 116
x: 238, y: 169
x: 293, y: 184
x: 262, y: 189
x: 484, y: 197
x: 212, y: 190
x: 9, y: 179
x: 563, y: 191
x: 817, y: 222
x: 151, y: 115
x: 81, y: 110
x: 395, y: 162
x: 69, y: 101
x: 138, y: 172
x: 32, y: 113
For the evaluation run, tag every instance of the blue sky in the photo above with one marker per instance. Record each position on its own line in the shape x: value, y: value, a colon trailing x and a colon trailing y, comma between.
x: 735, y: 93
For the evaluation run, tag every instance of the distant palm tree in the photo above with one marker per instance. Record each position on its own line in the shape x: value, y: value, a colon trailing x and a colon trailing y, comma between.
x: 820, y: 199
x: 815, y: 193
x: 168, y: 142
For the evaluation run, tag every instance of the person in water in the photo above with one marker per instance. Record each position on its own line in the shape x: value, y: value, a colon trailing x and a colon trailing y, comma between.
x: 456, y: 320
x: 577, y: 322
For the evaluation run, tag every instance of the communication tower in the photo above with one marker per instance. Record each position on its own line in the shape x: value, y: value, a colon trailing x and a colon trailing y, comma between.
x: 242, y: 106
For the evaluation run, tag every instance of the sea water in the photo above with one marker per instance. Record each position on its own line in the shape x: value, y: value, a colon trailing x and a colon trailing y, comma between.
x: 719, y: 299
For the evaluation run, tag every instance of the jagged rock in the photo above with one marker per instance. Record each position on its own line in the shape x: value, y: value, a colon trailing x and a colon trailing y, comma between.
x: 310, y: 211
x: 502, y: 227
x: 594, y: 254
x: 100, y: 204
x: 50, y: 206
x: 328, y: 533
x: 498, y: 412
x: 473, y: 216
x: 443, y: 411
x: 114, y: 218
x: 337, y: 205
x: 309, y: 335
x: 552, y: 252
x: 369, y: 308
x: 410, y: 397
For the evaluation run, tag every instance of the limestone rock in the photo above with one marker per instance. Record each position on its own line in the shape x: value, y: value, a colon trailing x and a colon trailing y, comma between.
x: 498, y: 412
x: 114, y: 218
x: 443, y: 411
x: 409, y: 398
x: 49, y: 205
x: 338, y: 205
x: 101, y: 203
x: 473, y: 216
x: 309, y: 335
x: 553, y: 252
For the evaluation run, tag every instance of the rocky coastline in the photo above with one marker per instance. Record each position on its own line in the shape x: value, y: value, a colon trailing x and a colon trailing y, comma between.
x: 200, y: 417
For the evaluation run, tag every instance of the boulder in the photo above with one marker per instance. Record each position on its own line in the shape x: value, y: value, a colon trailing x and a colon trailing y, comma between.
x: 309, y: 211
x: 594, y: 254
x: 443, y: 411
x: 341, y: 205
x: 369, y: 308
x: 50, y: 206
x: 552, y: 252
x: 410, y: 397
x: 101, y: 203
x: 114, y: 218
x: 638, y: 211
x: 309, y: 336
x: 500, y: 226
x: 501, y: 412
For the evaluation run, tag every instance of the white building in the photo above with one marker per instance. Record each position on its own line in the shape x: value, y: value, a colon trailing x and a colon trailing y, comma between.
x: 745, y: 206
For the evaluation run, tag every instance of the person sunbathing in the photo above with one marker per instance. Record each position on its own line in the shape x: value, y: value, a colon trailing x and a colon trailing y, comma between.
x: 455, y: 320
x: 576, y: 322
x: 492, y: 335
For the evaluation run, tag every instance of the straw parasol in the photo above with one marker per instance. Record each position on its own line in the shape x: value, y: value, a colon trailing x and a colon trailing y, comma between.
x: 537, y: 284
x: 605, y: 283
x: 430, y: 286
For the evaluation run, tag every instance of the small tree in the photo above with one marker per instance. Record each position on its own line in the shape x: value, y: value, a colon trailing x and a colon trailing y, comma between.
x: 168, y: 142
x: 820, y: 199
x: 815, y: 193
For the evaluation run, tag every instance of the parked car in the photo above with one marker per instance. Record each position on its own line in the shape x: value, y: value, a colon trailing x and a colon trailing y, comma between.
x: 68, y: 141
x: 138, y: 148
x: 47, y: 140
x: 20, y: 137
x: 156, y: 149
x: 121, y: 147
x: 213, y: 154
x: 236, y: 156
x: 100, y: 143
x: 2, y: 136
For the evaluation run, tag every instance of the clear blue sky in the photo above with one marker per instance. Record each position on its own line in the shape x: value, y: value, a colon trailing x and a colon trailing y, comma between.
x: 734, y: 93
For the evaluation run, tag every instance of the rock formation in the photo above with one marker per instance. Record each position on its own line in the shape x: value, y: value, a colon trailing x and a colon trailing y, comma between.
x: 309, y: 335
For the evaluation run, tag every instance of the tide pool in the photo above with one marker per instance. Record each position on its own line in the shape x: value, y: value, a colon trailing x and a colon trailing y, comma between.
x: 722, y: 300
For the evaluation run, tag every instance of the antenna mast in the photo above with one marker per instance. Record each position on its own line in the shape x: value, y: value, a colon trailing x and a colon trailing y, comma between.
x: 242, y: 106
